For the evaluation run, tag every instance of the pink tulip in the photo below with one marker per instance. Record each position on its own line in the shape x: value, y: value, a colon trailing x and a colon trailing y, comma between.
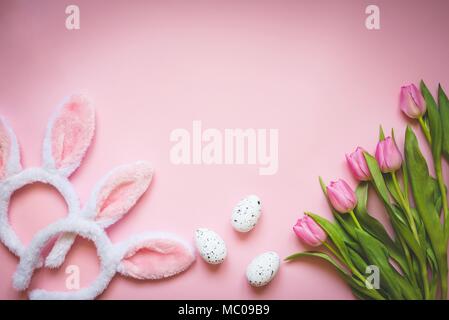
x: 309, y: 231
x: 412, y: 102
x: 341, y: 196
x: 357, y: 165
x: 388, y: 155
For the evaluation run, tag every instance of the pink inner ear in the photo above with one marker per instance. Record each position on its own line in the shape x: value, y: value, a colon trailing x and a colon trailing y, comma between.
x: 72, y: 132
x: 122, y: 190
x: 5, y: 146
x: 113, y: 204
x: 156, y: 259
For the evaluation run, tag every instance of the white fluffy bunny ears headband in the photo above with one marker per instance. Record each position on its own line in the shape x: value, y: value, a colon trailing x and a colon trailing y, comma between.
x: 151, y: 255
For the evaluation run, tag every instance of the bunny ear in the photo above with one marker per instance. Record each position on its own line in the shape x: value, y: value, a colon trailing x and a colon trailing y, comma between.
x: 9, y: 151
x: 69, y: 135
x: 155, y: 256
x: 118, y: 192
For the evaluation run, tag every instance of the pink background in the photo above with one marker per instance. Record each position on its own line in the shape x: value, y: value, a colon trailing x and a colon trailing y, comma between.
x: 308, y: 68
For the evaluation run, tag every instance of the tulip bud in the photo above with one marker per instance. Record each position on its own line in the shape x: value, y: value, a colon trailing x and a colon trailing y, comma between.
x: 341, y: 196
x: 412, y: 102
x: 388, y: 155
x: 309, y: 231
x: 357, y: 165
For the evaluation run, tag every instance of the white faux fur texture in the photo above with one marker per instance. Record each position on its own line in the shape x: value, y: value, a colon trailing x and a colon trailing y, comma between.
x: 13, y: 165
x: 139, y: 170
x: 30, y: 258
x: 110, y: 257
x: 29, y: 176
x: 57, y: 255
x: 71, y: 129
x: 137, y: 242
x: 16, y: 178
x: 47, y: 152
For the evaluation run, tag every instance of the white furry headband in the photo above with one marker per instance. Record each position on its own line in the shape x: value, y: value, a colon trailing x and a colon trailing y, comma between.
x: 68, y: 136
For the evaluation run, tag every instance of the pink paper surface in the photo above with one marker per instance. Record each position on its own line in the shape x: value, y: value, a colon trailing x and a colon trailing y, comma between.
x: 310, y: 69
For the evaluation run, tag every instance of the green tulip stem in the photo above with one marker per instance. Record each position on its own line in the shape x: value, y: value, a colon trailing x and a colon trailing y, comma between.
x: 443, y: 279
x: 349, y: 265
x: 346, y: 263
x: 443, y: 258
x: 425, y: 277
x: 425, y: 129
x: 441, y: 186
x: 405, y: 205
x: 438, y: 172
x: 354, y: 218
x: 411, y: 221
x: 408, y: 258
x: 335, y: 253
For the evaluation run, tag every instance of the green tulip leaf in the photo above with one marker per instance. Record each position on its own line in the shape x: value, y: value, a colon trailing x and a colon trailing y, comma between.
x: 377, y: 255
x: 359, y: 262
x: 377, y: 179
x: 391, y: 188
x: 381, y: 134
x: 407, y: 235
x: 368, y: 222
x: 423, y: 185
x: 343, y: 220
x: 380, y: 185
x: 321, y: 255
x: 423, y: 188
x: 359, y: 289
x: 335, y: 234
x: 435, y: 125
x: 405, y: 181
x: 444, y: 112
x: 437, y: 199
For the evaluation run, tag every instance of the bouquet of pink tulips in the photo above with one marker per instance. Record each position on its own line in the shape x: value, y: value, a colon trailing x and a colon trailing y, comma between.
x: 412, y: 264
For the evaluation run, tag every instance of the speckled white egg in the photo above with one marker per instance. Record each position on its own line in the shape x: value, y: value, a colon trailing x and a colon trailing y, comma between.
x: 210, y: 245
x: 246, y: 214
x: 263, y: 269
